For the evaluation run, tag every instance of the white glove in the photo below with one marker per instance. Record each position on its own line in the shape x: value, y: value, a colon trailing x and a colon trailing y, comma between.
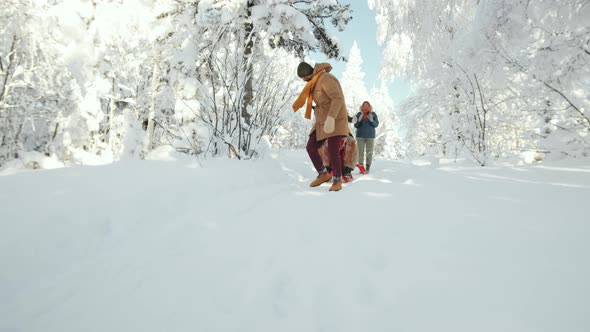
x: 370, y: 117
x: 329, y: 125
x: 355, y: 119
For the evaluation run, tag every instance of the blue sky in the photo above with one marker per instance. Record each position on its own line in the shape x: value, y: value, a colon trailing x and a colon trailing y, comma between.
x: 363, y: 30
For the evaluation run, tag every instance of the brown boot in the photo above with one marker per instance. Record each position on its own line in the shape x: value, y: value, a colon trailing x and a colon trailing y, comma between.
x: 336, y: 185
x: 323, y: 177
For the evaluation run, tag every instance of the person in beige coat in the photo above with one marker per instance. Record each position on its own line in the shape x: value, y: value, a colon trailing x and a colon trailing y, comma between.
x: 331, y: 119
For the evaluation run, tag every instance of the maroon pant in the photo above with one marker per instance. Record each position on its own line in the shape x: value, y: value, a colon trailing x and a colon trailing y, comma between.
x: 313, y: 146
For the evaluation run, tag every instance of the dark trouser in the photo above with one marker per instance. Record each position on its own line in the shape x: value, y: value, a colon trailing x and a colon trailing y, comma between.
x: 334, y: 142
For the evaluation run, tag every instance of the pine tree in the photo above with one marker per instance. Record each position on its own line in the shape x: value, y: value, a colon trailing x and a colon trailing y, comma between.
x: 353, y: 80
x: 388, y: 143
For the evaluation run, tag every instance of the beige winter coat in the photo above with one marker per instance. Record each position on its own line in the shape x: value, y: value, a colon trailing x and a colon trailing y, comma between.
x: 329, y: 101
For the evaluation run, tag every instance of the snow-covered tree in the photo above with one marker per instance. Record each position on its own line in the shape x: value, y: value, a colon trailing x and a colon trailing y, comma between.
x: 388, y: 143
x: 239, y: 43
x: 35, y: 87
x: 353, y: 80
x: 493, y: 78
x: 417, y: 33
x: 84, y: 79
x: 546, y: 47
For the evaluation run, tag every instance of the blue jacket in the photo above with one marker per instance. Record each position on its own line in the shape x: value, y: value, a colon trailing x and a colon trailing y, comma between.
x: 366, y: 128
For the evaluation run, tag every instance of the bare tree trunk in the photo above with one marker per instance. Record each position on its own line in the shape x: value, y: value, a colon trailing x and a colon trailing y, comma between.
x: 152, y: 113
x: 7, y: 74
x: 112, y: 115
x: 249, y: 44
x: 483, y: 124
x: 9, y: 138
x: 55, y: 131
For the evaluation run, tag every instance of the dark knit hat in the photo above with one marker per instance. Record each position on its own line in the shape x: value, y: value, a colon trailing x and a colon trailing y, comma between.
x: 304, y: 69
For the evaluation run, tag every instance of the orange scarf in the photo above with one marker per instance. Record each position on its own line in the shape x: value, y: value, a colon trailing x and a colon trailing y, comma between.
x: 305, y: 95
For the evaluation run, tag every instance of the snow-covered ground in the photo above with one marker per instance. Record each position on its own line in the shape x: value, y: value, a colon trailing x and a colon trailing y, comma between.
x: 223, y: 245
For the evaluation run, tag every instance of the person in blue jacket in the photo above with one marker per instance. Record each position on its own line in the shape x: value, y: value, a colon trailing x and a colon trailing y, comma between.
x: 365, y: 123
